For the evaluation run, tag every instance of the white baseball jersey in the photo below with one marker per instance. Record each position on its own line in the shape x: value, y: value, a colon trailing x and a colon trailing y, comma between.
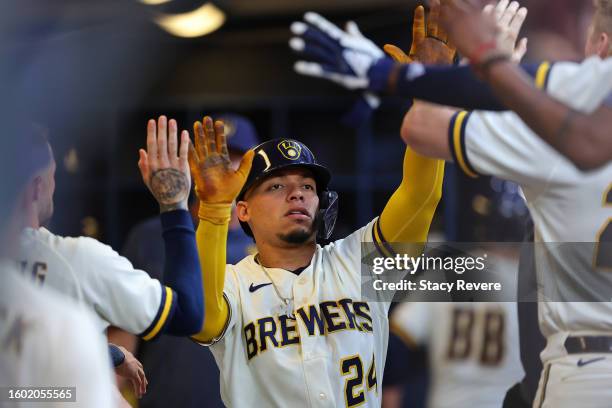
x: 473, y: 349
x: 48, y: 341
x: 567, y: 205
x: 91, y: 272
x: 331, y: 354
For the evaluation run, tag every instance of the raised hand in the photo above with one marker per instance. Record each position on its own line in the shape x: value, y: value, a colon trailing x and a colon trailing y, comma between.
x: 510, y: 18
x: 216, y: 181
x: 429, y: 41
x: 164, y: 166
x: 344, y: 57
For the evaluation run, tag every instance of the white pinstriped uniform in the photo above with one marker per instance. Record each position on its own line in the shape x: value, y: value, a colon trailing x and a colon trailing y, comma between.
x: 93, y: 273
x: 567, y: 205
x: 50, y: 341
x: 331, y: 355
x: 472, y: 347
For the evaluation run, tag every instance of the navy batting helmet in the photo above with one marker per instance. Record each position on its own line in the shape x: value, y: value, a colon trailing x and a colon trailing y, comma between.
x: 286, y: 153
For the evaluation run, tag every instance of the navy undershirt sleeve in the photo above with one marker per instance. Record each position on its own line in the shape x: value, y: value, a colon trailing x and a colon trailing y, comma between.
x: 182, y: 274
x: 455, y: 86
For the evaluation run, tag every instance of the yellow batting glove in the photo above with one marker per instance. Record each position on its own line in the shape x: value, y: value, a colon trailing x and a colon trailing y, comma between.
x: 217, y: 184
x: 429, y: 41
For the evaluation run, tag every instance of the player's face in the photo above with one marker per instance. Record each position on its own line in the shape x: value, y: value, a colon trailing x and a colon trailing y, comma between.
x: 282, y: 209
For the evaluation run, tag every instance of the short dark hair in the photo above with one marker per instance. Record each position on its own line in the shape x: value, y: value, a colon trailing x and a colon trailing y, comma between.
x: 24, y: 151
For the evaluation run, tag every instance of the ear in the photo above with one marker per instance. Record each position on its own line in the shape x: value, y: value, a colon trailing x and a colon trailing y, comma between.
x: 242, y: 211
x: 603, y: 45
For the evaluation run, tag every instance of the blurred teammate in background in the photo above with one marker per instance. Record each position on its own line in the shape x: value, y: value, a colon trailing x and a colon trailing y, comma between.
x: 46, y: 340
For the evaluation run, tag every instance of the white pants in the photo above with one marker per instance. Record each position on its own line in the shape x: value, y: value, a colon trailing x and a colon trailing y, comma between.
x: 576, y: 380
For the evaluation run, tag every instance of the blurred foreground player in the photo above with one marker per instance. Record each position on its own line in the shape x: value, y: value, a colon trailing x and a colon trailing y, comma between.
x: 289, y: 326
x: 106, y: 283
x: 190, y: 377
x: 46, y: 340
x: 566, y: 205
x: 582, y: 135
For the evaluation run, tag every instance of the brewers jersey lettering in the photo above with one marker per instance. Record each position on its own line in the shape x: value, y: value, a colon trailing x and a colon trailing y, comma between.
x: 472, y: 347
x: 567, y: 205
x: 329, y: 353
x: 91, y: 272
x: 48, y: 341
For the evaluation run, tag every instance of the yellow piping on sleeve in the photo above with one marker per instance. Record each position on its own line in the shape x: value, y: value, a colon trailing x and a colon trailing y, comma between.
x: 379, y: 241
x: 542, y: 75
x: 164, y: 315
x: 458, y: 128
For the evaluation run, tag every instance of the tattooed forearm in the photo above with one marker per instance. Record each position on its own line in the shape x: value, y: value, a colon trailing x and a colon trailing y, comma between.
x: 171, y: 189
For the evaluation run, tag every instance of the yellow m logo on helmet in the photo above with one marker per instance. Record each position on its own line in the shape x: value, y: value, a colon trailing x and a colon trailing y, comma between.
x: 290, y: 149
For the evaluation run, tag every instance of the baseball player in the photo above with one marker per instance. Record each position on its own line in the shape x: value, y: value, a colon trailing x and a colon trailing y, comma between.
x: 582, y: 137
x: 94, y: 274
x: 472, y: 349
x: 45, y: 340
x: 288, y: 326
x: 566, y: 205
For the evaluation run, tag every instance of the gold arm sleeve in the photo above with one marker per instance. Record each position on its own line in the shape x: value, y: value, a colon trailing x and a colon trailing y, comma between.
x: 410, y: 210
x: 211, y: 238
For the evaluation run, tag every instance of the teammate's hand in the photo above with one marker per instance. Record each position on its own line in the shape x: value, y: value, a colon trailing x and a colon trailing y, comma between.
x: 510, y: 18
x: 132, y: 370
x: 165, y: 170
x: 493, y: 31
x: 344, y: 57
x: 429, y: 41
x: 215, y: 179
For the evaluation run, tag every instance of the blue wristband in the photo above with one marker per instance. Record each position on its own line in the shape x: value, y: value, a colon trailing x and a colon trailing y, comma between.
x: 117, y: 356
